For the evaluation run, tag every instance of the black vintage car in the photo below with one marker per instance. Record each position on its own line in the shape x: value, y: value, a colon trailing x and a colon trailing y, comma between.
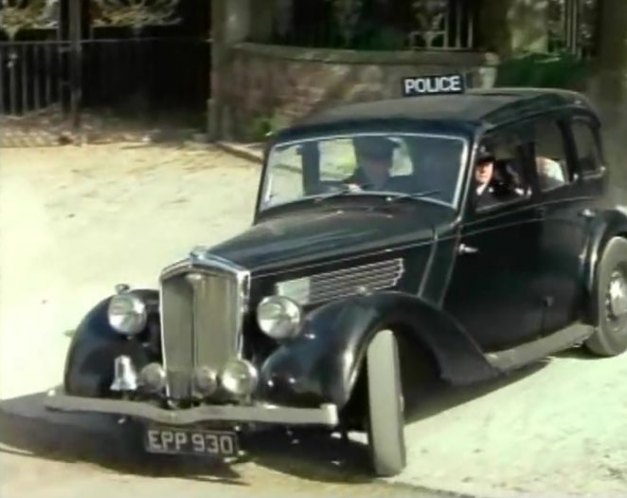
x: 471, y: 232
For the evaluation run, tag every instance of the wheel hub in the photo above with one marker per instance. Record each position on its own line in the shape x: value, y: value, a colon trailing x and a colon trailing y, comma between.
x: 617, y: 295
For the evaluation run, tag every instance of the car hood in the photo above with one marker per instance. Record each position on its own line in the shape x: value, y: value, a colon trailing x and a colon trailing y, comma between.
x: 307, y: 236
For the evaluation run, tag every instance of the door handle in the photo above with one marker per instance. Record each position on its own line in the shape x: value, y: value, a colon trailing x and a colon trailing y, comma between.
x: 466, y: 249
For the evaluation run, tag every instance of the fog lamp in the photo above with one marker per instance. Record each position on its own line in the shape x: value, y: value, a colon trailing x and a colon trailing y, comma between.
x: 239, y: 377
x: 152, y: 377
x: 205, y: 381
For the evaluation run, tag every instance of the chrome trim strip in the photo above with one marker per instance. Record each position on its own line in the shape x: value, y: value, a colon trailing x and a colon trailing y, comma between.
x: 326, y: 415
x: 426, y: 274
x: 201, y: 257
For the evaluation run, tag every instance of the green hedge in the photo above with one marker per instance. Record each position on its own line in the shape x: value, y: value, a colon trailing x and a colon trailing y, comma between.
x: 560, y: 70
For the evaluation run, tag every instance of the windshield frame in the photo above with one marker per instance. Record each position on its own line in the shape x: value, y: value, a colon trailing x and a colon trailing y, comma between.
x: 265, y: 186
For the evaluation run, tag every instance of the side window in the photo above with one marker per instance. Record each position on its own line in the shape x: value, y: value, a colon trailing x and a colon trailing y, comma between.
x: 550, y: 155
x: 586, y: 146
x: 500, y: 176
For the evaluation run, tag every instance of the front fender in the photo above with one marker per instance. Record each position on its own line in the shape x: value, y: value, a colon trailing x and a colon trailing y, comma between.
x: 610, y: 223
x: 322, y: 363
x: 95, y: 345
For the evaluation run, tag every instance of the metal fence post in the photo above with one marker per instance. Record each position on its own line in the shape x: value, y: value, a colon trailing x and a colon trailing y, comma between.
x: 76, y: 62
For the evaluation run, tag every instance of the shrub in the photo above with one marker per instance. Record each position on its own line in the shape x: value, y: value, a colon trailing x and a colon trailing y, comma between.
x: 533, y: 69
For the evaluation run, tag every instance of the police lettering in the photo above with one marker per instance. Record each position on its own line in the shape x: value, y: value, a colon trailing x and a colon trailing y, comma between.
x: 429, y: 85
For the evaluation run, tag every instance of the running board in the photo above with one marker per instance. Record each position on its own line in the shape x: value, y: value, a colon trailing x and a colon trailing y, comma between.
x: 510, y: 359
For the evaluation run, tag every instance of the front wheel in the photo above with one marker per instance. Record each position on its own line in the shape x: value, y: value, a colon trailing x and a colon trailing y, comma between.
x: 385, y: 421
x: 610, y: 337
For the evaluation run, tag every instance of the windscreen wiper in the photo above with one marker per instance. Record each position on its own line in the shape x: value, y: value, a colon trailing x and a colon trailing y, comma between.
x: 348, y: 188
x: 394, y: 196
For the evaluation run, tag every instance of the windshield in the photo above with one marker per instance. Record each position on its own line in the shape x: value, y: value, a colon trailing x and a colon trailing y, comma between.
x: 426, y: 165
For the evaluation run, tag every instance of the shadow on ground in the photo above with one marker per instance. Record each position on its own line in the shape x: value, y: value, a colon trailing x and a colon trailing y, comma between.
x: 27, y: 429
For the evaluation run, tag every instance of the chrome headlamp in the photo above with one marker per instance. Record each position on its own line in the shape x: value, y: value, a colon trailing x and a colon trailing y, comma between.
x: 279, y: 317
x: 127, y: 313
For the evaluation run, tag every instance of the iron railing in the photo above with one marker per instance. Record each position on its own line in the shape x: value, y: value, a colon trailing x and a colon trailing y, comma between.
x: 376, y: 25
x: 418, y: 24
x: 32, y: 75
x: 129, y: 56
x: 573, y: 27
x: 146, y: 73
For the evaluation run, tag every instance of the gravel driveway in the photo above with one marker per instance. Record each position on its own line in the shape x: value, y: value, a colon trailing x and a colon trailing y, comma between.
x: 75, y: 221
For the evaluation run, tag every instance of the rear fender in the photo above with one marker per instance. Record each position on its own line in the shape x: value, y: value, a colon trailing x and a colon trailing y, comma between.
x: 323, y: 362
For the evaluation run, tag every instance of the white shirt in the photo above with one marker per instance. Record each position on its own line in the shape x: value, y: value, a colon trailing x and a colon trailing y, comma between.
x: 481, y: 188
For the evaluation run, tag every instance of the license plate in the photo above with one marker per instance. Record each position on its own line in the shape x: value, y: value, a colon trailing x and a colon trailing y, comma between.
x: 184, y: 441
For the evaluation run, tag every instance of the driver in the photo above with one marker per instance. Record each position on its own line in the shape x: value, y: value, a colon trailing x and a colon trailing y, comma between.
x: 374, y: 158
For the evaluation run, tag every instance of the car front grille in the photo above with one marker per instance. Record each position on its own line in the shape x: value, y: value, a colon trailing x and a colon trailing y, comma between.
x: 203, y: 300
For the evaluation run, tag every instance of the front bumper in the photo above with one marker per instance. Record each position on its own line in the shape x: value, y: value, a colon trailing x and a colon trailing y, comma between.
x: 325, y: 415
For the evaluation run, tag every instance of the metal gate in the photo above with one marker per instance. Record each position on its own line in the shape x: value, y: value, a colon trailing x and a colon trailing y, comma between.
x: 76, y: 65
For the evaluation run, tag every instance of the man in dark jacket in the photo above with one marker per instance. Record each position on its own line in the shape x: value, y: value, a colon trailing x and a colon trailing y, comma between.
x: 375, y: 156
x: 484, y: 172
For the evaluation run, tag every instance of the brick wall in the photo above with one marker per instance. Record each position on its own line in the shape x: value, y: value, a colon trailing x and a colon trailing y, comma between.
x: 290, y: 83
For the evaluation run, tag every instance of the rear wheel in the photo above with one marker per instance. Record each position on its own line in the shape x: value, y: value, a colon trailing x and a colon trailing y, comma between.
x: 385, y: 421
x: 610, y: 337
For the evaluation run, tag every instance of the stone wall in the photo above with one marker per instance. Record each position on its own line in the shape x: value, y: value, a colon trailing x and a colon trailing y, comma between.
x: 284, y: 84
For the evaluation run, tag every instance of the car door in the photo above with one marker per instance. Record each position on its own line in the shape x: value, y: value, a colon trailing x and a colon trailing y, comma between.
x: 494, y: 287
x: 571, y: 147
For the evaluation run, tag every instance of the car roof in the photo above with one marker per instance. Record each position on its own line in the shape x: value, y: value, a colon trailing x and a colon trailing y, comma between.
x: 486, y: 108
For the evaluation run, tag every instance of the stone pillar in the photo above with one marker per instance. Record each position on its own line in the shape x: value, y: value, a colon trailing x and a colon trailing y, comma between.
x: 231, y: 24
x: 609, y: 86
x: 612, y: 56
x: 508, y: 27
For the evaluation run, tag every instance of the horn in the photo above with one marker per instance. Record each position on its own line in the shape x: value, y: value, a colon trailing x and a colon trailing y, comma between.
x: 125, y: 375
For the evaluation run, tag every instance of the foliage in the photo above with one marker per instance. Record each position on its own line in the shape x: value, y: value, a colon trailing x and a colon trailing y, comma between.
x: 348, y: 25
x: 263, y: 125
x: 374, y: 37
x: 136, y: 13
x: 534, y: 69
x: 16, y: 16
x: 347, y: 14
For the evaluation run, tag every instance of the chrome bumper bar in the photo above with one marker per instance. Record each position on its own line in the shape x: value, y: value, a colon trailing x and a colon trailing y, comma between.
x: 325, y: 415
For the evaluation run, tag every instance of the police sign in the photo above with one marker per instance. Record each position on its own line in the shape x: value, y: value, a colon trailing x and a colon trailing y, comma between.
x: 434, y: 85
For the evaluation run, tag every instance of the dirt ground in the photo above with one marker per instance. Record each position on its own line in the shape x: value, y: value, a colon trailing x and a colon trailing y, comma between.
x: 74, y: 221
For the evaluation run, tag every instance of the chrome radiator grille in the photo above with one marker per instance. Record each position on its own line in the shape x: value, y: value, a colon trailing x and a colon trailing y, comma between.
x: 202, y: 304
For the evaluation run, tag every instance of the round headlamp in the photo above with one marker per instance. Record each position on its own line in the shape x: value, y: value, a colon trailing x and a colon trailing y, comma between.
x: 279, y: 317
x: 127, y: 314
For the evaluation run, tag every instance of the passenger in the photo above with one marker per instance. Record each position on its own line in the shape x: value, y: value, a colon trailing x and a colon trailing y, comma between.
x: 550, y: 173
x: 484, y: 173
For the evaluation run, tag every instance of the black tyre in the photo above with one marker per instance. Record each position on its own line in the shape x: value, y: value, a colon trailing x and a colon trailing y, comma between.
x: 385, y: 421
x: 610, y: 337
